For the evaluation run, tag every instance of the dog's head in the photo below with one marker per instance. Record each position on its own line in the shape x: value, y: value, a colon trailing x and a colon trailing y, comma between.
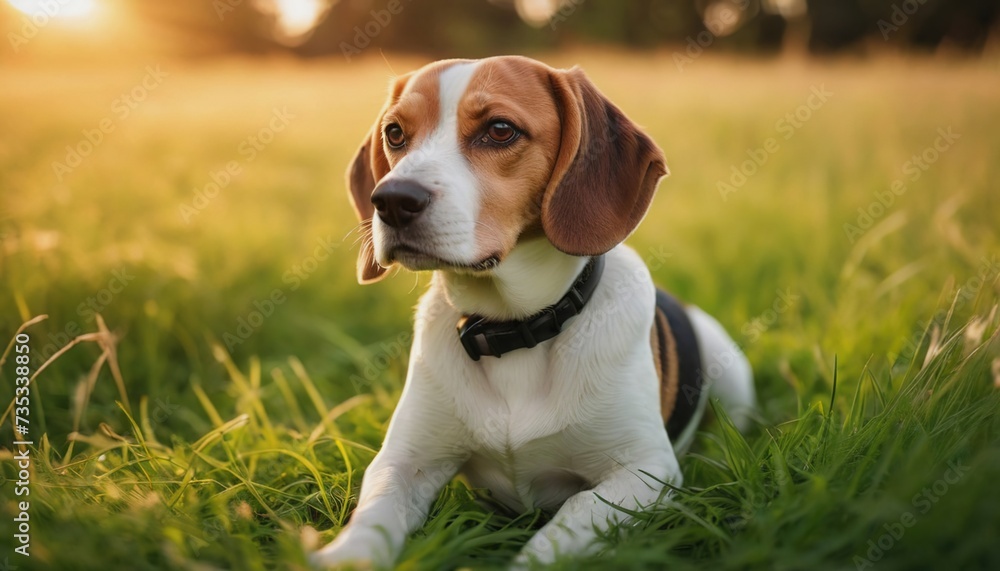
x: 468, y: 157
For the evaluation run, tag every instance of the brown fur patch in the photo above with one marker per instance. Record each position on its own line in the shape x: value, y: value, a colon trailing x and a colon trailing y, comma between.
x: 511, y: 177
x: 668, y: 372
x: 605, y: 175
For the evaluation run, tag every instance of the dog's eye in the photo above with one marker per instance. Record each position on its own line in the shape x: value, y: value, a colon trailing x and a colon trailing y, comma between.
x: 501, y: 133
x: 394, y: 136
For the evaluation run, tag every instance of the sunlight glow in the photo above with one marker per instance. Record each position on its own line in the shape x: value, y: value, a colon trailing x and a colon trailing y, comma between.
x: 55, y: 9
x: 295, y: 19
x: 787, y: 8
x: 536, y: 12
x: 724, y: 17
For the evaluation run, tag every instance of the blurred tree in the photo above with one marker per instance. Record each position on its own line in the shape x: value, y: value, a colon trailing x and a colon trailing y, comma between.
x: 473, y: 28
x: 195, y: 27
x: 450, y: 28
x: 836, y: 24
x: 771, y: 32
x: 447, y: 28
x: 928, y: 24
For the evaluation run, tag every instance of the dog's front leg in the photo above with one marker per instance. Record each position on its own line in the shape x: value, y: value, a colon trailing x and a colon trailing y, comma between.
x: 576, y: 525
x: 421, y: 453
x: 395, y: 497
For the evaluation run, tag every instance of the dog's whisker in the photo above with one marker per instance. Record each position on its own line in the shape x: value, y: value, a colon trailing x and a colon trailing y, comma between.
x: 362, y: 229
x: 360, y: 239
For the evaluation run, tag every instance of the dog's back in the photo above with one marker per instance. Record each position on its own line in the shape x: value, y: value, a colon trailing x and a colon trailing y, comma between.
x: 684, y: 378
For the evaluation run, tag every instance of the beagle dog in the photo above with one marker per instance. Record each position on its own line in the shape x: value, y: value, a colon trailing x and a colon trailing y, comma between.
x: 545, y: 365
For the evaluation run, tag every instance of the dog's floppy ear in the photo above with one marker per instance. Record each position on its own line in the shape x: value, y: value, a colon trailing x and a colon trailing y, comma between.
x: 604, y: 175
x: 369, y: 165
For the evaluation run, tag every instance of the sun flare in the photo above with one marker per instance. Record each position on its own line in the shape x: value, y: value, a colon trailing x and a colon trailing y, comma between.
x: 55, y: 9
x: 294, y: 19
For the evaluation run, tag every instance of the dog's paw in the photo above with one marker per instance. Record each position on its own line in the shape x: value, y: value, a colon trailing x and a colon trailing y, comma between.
x: 353, y: 549
x: 335, y: 556
x: 538, y: 551
x: 519, y: 563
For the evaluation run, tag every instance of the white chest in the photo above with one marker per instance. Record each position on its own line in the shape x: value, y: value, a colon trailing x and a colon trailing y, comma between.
x: 538, y: 431
x: 539, y: 425
x: 513, y: 400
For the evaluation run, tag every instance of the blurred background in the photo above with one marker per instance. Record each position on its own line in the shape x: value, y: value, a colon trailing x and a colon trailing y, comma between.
x: 316, y: 28
x: 175, y: 226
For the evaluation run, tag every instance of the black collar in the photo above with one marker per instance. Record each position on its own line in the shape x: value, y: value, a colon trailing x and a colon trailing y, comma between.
x: 494, y: 338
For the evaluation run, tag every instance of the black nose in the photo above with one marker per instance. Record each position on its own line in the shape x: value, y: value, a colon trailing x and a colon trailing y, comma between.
x: 400, y: 202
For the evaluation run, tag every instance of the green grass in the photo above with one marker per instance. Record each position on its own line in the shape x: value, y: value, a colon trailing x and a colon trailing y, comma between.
x: 230, y: 458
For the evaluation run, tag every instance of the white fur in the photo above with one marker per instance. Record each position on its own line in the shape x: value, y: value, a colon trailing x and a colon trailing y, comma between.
x: 725, y: 368
x: 532, y: 276
x: 448, y: 228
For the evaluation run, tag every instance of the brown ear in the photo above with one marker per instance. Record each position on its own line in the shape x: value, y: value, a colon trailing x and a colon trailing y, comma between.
x: 368, y: 167
x: 604, y: 175
x: 361, y: 179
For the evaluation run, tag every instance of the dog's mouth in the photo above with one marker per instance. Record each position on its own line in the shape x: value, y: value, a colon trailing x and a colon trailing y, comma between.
x: 416, y: 259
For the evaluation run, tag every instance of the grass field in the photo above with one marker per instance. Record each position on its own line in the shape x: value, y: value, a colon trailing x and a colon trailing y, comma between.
x: 260, y: 377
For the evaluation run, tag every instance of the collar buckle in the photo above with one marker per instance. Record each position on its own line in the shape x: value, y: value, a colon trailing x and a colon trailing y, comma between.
x: 481, y: 337
x: 472, y: 337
